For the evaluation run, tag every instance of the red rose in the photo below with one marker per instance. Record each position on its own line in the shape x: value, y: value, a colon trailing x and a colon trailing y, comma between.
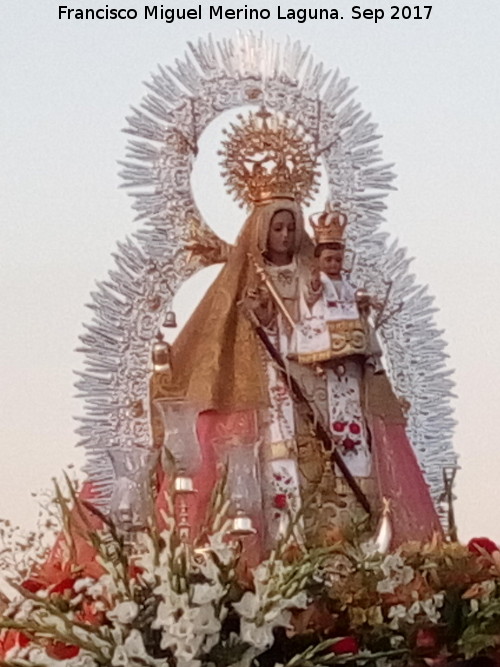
x: 345, y: 645
x: 338, y: 427
x: 426, y: 638
x: 61, y: 651
x: 478, y: 545
x: 280, y: 500
x: 350, y: 445
x: 32, y: 585
x: 354, y: 428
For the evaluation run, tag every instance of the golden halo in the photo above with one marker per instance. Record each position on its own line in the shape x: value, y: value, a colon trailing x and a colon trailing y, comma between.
x: 269, y: 157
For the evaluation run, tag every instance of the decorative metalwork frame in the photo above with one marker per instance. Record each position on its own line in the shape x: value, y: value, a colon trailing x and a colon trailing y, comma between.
x: 129, y: 306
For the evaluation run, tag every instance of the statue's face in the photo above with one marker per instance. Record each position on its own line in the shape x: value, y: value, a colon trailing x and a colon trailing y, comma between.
x: 281, y: 237
x: 330, y: 261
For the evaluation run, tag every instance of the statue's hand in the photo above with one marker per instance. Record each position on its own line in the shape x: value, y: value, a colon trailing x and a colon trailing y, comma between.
x: 259, y: 301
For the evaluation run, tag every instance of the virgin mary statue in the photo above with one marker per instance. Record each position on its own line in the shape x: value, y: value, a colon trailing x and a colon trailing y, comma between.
x: 260, y: 409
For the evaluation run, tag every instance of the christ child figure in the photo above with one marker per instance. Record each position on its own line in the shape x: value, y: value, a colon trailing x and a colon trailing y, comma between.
x: 334, y: 328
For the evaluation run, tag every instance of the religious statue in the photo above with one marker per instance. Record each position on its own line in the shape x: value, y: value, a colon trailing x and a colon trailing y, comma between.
x: 298, y: 382
x: 247, y: 477
x: 273, y: 350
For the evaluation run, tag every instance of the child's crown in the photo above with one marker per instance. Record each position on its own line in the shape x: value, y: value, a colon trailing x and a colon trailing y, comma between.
x: 329, y: 225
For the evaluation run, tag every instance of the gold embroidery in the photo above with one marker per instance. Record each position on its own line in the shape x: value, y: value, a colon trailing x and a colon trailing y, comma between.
x: 216, y: 357
x: 285, y: 449
x: 347, y: 337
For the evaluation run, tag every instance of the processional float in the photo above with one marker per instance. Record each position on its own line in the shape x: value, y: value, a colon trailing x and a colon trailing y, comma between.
x: 133, y: 304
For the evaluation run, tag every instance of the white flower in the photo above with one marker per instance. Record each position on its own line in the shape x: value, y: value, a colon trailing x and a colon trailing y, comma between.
x: 206, y: 593
x: 278, y: 618
x: 134, y: 645
x: 261, y: 573
x: 120, y: 657
x: 219, y: 545
x: 187, y: 662
x: 187, y: 651
x: 260, y: 636
x: 124, y: 612
x: 413, y: 611
x: 24, y: 610
x: 369, y: 548
x: 182, y: 638
x: 98, y: 588
x: 207, y: 566
x: 429, y: 607
x: 82, y: 584
x: 82, y: 634
x: 173, y: 605
x: 210, y: 642
x: 82, y: 660
x: 299, y: 601
x: 185, y: 631
x: 248, y: 607
x: 386, y: 586
x: 116, y: 633
x: 394, y: 565
x: 36, y: 656
x: 131, y: 652
x: 204, y: 620
x: 395, y: 572
x: 397, y: 613
x: 52, y: 621
x: 391, y: 563
x: 407, y: 574
x: 397, y: 641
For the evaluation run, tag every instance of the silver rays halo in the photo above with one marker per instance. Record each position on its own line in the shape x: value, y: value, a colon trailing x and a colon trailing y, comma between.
x: 130, y: 305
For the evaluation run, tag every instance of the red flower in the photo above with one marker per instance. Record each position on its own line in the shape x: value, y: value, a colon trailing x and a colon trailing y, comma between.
x: 350, y: 445
x: 63, y: 586
x: 478, y: 545
x: 354, y: 428
x: 135, y: 571
x: 88, y: 614
x: 280, y: 500
x: 426, y: 638
x: 61, y: 651
x: 345, y: 645
x: 338, y: 427
x: 32, y: 585
x: 10, y: 639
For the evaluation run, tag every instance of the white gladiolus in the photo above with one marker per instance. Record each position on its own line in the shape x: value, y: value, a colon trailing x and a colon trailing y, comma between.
x: 124, y: 612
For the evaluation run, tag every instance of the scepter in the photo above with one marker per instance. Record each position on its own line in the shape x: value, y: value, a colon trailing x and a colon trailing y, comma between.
x: 319, y: 429
x: 261, y: 272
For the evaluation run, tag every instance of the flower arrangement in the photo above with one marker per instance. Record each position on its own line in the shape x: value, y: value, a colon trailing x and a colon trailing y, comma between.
x: 159, y: 601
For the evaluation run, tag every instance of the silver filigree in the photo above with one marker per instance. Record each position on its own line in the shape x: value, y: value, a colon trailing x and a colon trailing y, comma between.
x: 128, y: 307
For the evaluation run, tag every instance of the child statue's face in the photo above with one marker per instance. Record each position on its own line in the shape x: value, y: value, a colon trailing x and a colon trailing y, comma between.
x: 330, y: 261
